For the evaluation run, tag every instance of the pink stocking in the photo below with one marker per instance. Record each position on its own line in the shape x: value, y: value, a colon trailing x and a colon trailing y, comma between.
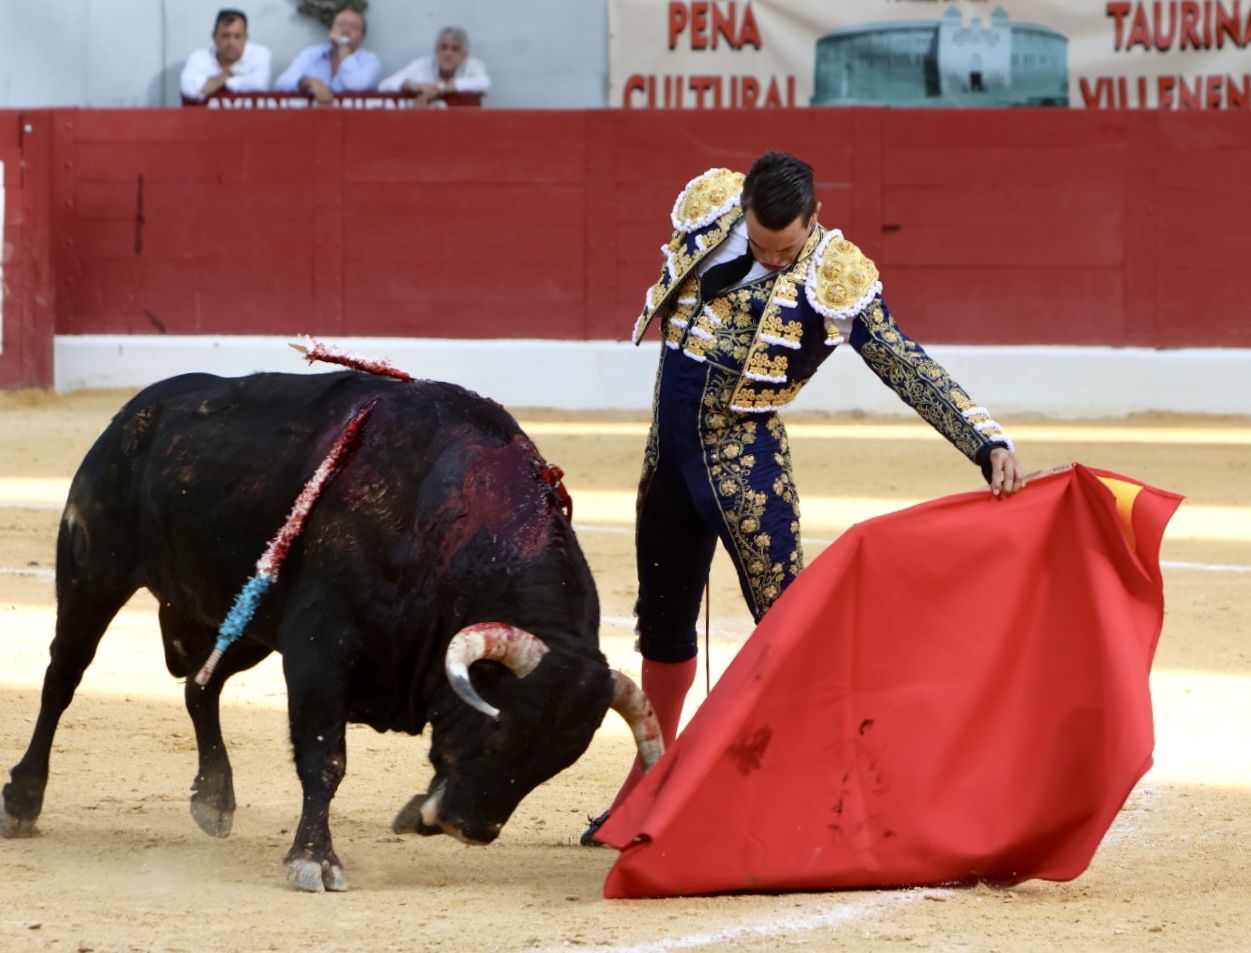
x: 665, y: 684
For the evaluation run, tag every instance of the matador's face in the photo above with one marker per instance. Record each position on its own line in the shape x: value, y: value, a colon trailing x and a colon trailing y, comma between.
x: 778, y: 249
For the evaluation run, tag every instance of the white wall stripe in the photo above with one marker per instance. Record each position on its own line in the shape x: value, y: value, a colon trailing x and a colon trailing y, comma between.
x: 602, y: 375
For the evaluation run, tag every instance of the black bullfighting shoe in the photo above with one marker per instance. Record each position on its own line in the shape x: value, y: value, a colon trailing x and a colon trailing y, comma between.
x: 588, y: 835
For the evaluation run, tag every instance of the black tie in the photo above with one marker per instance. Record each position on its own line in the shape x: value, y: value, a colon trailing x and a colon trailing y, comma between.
x: 719, y: 277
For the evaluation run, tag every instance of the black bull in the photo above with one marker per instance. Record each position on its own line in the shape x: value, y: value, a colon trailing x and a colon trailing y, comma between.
x: 438, y: 519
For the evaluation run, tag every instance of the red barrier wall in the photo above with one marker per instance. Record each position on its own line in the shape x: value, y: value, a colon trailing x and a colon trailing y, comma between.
x: 27, y: 310
x: 990, y: 227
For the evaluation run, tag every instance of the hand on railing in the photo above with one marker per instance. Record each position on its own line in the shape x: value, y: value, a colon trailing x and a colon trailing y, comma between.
x: 225, y: 99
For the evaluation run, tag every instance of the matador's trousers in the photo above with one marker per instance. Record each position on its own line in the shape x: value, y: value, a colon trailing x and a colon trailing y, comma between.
x: 708, y: 473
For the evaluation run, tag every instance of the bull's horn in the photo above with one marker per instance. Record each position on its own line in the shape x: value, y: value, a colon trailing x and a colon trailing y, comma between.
x: 516, y: 649
x: 631, y: 704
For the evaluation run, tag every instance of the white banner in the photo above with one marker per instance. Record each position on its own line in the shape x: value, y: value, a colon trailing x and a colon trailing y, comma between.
x: 1145, y: 54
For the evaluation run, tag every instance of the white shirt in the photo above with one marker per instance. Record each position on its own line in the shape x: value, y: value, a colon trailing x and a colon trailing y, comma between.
x: 734, y: 246
x: 251, y: 72
x: 470, y: 77
x: 357, y: 73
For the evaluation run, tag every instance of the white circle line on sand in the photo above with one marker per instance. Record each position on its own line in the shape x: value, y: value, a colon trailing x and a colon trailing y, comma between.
x: 840, y: 914
x: 1204, y: 567
x: 48, y: 574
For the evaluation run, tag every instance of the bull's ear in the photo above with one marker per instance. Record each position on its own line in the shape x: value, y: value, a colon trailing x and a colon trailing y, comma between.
x: 516, y: 649
x: 631, y: 704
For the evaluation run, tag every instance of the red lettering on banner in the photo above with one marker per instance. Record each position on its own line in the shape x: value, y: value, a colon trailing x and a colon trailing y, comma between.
x: 1115, y: 10
x: 1214, y: 91
x: 633, y: 85
x: 1230, y: 25
x: 1140, y: 31
x: 677, y: 23
x: 1166, y: 84
x: 699, y: 25
x: 772, y: 96
x: 1188, y: 98
x: 708, y: 90
x: 1190, y: 27
x: 706, y: 25
x: 750, y: 33
x: 1093, y: 98
x: 699, y: 84
x: 673, y: 92
x: 723, y: 24
x: 1164, y: 41
x: 1212, y: 98
x: 1180, y: 24
x: 751, y: 91
x: 1238, y: 98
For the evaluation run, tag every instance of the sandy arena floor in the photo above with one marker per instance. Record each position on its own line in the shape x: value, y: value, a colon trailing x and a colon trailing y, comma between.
x: 120, y: 866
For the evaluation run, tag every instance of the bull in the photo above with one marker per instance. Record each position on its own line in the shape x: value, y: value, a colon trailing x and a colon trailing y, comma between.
x: 437, y: 581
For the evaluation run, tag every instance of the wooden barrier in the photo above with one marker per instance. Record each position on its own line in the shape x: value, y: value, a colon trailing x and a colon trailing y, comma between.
x: 27, y: 289
x: 990, y: 227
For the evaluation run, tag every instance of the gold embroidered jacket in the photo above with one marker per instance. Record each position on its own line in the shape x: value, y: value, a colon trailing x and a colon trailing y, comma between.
x: 830, y: 294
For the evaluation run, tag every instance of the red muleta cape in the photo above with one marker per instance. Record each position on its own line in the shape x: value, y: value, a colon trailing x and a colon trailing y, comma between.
x: 954, y: 692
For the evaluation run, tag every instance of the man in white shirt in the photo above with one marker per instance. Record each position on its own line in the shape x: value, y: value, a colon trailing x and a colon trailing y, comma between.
x: 340, y: 66
x: 451, y: 70
x: 231, y: 62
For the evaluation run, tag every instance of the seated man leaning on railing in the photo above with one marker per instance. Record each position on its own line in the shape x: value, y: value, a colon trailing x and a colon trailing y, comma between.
x: 232, y: 62
x: 451, y: 77
x: 337, y: 66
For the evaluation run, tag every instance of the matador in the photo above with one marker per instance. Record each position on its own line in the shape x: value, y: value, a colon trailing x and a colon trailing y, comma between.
x: 753, y: 295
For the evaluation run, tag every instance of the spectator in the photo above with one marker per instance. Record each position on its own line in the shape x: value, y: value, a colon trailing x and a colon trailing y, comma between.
x: 231, y: 62
x: 450, y: 70
x: 340, y: 66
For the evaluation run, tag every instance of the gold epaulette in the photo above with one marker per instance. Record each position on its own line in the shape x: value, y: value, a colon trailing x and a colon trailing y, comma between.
x: 843, y: 280
x: 706, y: 198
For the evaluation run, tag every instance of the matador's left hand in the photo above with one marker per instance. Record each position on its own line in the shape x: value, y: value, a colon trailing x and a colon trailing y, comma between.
x: 1006, y: 474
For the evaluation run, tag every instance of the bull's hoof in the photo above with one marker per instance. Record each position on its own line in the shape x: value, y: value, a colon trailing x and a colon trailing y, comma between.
x: 213, y: 821
x: 315, y: 876
x: 11, y: 826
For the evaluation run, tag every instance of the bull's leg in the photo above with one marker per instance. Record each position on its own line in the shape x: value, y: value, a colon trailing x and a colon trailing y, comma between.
x: 83, y: 613
x: 187, y: 643
x: 316, y: 708
x: 213, y: 791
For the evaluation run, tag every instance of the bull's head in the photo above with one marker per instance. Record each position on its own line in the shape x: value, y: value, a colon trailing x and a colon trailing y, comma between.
x: 547, y: 716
